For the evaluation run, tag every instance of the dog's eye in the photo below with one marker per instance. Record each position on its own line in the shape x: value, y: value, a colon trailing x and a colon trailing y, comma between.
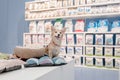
x: 60, y: 32
x: 55, y: 31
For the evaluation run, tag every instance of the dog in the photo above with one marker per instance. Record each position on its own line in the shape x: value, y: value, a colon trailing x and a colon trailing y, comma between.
x: 52, y: 49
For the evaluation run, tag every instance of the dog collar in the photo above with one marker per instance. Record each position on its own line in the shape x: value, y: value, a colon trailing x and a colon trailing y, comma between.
x: 56, y: 44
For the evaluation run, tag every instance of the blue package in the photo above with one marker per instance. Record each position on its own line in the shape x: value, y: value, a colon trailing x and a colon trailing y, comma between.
x: 92, y: 26
x: 115, y: 26
x: 103, y: 25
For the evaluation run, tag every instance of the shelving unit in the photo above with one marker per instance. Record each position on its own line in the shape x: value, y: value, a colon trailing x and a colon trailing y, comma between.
x: 82, y: 56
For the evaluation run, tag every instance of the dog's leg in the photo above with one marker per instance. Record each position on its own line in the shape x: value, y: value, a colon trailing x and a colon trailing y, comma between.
x: 50, y: 54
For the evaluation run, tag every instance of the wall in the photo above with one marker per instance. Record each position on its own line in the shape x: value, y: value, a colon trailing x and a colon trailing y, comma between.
x: 12, y: 24
x: 3, y: 25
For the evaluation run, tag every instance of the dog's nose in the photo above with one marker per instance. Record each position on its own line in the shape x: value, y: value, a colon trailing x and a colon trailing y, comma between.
x: 58, y: 34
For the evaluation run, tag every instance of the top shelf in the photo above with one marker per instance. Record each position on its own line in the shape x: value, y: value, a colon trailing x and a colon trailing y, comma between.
x: 68, y: 7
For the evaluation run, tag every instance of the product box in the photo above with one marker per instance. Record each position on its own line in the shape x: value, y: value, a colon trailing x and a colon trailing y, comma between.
x: 80, y: 10
x: 103, y: 25
x: 115, y: 26
x: 64, y: 40
x: 89, y: 39
x: 78, y: 50
x: 108, y: 51
x: 70, y: 51
x: 117, y: 63
x: 88, y: 10
x: 32, y: 27
x: 34, y: 39
x: 58, y: 24
x: 77, y: 60
x: 99, y: 62
x: 48, y: 26
x: 99, y: 39
x: 70, y: 2
x: 77, y: 2
x: 47, y: 39
x: 82, y: 2
x: 92, y: 26
x: 108, y: 62
x: 109, y: 39
x: 27, y: 39
x: 69, y: 25
x: 79, y: 26
x: 40, y: 27
x: 117, y: 39
x: 79, y: 39
x: 63, y: 50
x: 65, y: 3
x: 70, y: 39
x: 117, y: 51
x: 89, y: 61
x: 98, y: 51
x: 40, y: 39
x: 59, y: 3
x: 89, y: 51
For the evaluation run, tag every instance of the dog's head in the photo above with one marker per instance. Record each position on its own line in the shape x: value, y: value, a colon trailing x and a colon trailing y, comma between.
x: 57, y: 35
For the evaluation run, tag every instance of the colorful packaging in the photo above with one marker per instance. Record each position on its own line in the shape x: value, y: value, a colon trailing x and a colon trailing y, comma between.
x: 48, y: 26
x: 89, y: 61
x: 87, y: 10
x: 108, y: 51
x: 109, y: 62
x: 40, y: 27
x: 117, y: 51
x: 41, y: 40
x: 92, y: 26
x: 99, y: 62
x: 34, y: 39
x: 58, y: 24
x: 80, y: 10
x: 70, y: 39
x: 79, y: 39
x: 47, y: 39
x: 103, y: 25
x: 78, y: 50
x: 109, y: 39
x: 79, y: 26
x: 62, y: 50
x: 98, y: 51
x: 69, y: 25
x: 32, y: 27
x: 89, y: 39
x: 99, y: 39
x: 70, y: 51
x: 117, y: 63
x: 64, y: 40
x: 89, y: 51
x: 115, y: 26
x: 117, y: 39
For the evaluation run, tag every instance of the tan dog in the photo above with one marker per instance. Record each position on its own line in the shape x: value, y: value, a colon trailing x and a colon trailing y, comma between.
x: 52, y: 49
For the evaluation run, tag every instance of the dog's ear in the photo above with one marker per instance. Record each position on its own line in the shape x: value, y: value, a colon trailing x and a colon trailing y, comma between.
x: 63, y: 30
x: 52, y: 28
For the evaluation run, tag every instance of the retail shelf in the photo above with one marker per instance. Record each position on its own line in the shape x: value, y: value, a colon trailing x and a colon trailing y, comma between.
x: 102, y: 32
x: 68, y: 7
x: 103, y: 46
x: 36, y: 1
x: 82, y: 16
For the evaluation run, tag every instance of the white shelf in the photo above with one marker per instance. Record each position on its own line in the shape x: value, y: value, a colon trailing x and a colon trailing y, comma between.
x: 103, y: 46
x: 102, y: 32
x: 83, y: 16
x: 85, y: 5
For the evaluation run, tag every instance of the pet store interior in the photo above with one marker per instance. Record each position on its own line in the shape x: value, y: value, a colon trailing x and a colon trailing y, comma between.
x: 59, y: 39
